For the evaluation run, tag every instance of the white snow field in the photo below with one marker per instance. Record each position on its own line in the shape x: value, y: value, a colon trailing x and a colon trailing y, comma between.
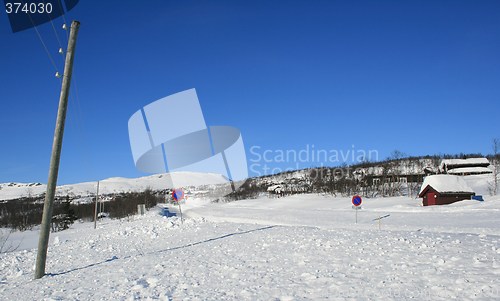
x: 303, y: 247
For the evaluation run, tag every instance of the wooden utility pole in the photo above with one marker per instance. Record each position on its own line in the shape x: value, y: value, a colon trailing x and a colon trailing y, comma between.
x: 43, y: 241
x: 96, y: 202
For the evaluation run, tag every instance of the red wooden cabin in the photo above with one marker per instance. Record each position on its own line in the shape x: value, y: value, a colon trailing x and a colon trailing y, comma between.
x: 444, y: 189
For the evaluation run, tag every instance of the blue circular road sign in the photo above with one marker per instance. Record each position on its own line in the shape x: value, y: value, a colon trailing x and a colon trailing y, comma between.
x: 356, y: 200
x: 178, y: 194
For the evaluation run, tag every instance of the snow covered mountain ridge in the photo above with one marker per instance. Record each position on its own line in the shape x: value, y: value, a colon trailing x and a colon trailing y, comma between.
x: 305, y: 180
x: 158, y: 182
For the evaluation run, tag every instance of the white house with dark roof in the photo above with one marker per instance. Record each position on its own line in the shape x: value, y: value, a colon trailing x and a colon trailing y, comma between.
x: 464, y: 167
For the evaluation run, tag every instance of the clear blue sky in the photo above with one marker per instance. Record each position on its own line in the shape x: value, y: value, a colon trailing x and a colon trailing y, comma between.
x: 422, y: 77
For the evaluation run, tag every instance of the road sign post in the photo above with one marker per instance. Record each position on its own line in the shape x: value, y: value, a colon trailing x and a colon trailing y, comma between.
x: 356, y: 202
x: 178, y: 195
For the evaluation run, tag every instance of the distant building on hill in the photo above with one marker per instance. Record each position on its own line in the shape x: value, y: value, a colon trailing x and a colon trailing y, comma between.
x: 465, y: 167
x: 444, y: 189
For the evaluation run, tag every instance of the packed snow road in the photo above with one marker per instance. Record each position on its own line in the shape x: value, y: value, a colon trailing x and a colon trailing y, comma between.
x: 152, y: 257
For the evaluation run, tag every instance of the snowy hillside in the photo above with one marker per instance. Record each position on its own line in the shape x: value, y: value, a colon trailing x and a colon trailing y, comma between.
x: 111, y: 185
x: 303, y: 247
x: 480, y: 184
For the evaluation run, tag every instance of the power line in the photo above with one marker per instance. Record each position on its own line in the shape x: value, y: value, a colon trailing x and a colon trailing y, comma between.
x: 76, y: 97
x: 55, y: 32
x: 44, y: 46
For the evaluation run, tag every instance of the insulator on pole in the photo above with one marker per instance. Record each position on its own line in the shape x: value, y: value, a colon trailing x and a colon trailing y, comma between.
x: 64, y: 26
x: 58, y: 75
x: 61, y: 51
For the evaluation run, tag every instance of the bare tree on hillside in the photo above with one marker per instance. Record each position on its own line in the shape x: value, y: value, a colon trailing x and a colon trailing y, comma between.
x: 5, y: 245
x: 396, y: 166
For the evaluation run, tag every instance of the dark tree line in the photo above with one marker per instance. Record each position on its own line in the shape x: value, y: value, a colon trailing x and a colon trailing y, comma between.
x: 22, y: 214
x: 125, y: 204
x: 25, y: 213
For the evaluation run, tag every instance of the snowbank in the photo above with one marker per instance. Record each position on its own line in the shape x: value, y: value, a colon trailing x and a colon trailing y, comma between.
x: 151, y: 257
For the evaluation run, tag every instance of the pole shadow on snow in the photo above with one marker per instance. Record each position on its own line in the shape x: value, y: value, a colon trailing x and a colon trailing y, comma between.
x: 82, y: 268
x: 213, y: 239
x: 161, y: 251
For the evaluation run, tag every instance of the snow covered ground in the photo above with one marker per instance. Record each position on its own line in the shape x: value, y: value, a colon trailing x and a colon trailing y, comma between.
x: 304, y: 247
